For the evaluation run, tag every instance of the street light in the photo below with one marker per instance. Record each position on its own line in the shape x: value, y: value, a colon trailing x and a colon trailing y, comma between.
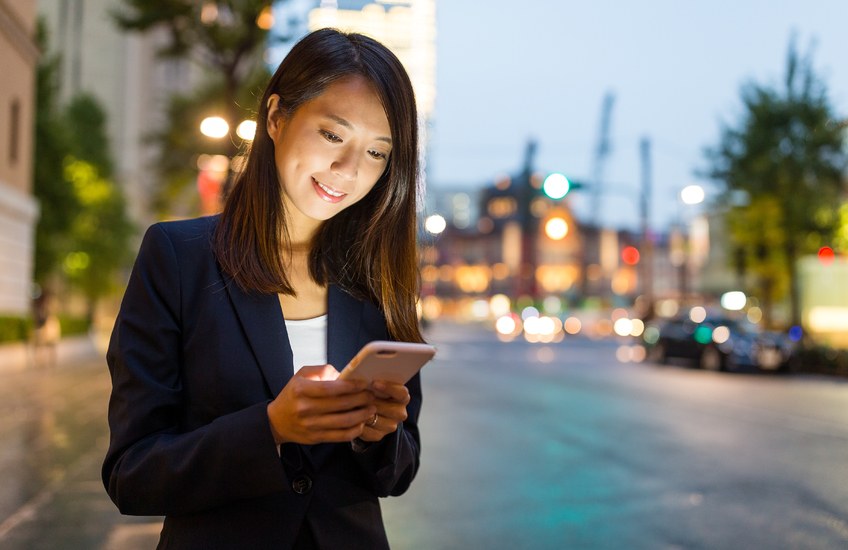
x: 214, y: 127
x: 692, y: 195
x: 694, y: 235
x: 556, y: 228
x: 435, y: 224
x: 246, y: 130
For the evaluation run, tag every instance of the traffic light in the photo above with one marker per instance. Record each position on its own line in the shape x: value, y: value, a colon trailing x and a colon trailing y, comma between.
x: 556, y: 186
x: 630, y: 255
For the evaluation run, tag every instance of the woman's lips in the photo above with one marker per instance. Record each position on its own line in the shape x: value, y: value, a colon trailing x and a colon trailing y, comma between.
x: 327, y: 193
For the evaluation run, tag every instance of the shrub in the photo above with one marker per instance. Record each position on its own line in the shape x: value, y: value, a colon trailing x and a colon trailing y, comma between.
x: 15, y: 329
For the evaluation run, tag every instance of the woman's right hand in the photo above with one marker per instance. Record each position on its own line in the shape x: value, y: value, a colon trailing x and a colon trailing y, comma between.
x: 316, y: 407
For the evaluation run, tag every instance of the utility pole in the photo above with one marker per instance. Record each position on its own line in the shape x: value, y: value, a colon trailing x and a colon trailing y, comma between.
x: 591, y: 250
x: 647, y: 247
x: 529, y: 225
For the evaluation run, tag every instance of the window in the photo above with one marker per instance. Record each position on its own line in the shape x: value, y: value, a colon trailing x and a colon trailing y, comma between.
x: 14, y: 130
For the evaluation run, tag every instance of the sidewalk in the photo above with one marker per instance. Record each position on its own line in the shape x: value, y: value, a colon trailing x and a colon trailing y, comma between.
x: 53, y: 436
x: 20, y: 356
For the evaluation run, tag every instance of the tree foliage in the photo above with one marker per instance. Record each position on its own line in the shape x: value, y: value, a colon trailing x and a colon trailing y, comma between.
x: 83, y: 231
x: 787, y: 156
x: 226, y: 38
x: 180, y: 142
x: 87, y: 122
x: 56, y: 199
x: 100, y: 233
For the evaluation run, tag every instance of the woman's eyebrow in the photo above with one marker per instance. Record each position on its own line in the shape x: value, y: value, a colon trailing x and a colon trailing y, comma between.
x: 343, y: 122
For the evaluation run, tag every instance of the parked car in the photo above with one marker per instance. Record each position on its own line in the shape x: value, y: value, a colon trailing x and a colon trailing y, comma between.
x: 719, y: 342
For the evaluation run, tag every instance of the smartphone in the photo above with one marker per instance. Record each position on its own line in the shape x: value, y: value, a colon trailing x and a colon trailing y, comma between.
x: 384, y: 360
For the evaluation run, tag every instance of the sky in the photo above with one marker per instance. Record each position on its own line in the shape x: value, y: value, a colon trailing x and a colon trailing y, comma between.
x: 508, y: 71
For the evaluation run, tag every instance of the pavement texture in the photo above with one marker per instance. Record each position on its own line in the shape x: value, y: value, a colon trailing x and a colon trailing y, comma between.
x: 524, y: 446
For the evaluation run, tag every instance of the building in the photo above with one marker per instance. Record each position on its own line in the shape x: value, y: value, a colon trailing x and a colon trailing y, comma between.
x: 18, y: 209
x: 122, y: 70
x: 520, y: 243
x: 408, y: 28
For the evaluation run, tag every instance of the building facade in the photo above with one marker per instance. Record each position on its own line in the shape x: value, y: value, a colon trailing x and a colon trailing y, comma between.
x: 123, y: 72
x: 18, y: 209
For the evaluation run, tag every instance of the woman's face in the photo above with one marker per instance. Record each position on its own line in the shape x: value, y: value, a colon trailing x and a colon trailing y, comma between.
x: 331, y: 151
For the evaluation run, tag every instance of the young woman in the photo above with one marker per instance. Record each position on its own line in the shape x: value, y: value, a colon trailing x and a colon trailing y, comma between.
x: 226, y: 415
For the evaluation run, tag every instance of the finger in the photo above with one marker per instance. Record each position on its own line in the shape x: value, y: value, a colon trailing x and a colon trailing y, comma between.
x: 391, y: 411
x: 339, y: 421
x: 379, y: 430
x: 391, y: 390
x: 329, y: 388
x: 315, y: 406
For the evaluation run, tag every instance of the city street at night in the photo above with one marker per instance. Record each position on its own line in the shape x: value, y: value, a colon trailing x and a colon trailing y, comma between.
x: 524, y: 446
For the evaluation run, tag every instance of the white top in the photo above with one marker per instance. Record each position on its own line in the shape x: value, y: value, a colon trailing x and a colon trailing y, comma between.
x: 308, y: 339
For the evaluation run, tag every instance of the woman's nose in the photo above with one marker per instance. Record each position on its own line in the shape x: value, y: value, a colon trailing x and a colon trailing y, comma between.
x: 346, y: 165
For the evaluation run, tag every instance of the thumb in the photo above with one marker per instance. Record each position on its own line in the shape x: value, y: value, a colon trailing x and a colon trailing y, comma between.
x: 318, y: 372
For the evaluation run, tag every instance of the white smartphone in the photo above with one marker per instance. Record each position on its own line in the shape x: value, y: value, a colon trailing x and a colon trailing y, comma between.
x: 391, y: 361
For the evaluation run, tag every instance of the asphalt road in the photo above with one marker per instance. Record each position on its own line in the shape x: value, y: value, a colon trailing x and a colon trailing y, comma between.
x: 562, y: 446
x: 524, y: 446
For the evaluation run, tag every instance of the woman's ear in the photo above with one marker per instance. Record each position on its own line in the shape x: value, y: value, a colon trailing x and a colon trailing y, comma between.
x: 275, y: 116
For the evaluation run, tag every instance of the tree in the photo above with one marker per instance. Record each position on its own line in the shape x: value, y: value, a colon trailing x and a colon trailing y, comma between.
x: 226, y: 38
x: 83, y: 231
x: 87, y: 121
x: 100, y: 233
x: 180, y: 142
x: 56, y: 198
x: 98, y: 240
x: 787, y: 155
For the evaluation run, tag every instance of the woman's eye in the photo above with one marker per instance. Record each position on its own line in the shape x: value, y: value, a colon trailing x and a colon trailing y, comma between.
x: 377, y: 155
x: 331, y: 137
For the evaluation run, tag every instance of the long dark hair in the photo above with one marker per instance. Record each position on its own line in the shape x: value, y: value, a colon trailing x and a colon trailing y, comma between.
x: 368, y: 249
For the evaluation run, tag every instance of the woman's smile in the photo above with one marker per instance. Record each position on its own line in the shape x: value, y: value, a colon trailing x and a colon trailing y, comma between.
x: 327, y: 193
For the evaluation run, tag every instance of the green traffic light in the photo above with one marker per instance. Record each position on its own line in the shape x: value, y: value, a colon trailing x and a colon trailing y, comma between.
x: 556, y: 186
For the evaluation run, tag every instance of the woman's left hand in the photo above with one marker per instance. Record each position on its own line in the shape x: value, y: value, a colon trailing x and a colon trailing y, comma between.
x: 391, y: 401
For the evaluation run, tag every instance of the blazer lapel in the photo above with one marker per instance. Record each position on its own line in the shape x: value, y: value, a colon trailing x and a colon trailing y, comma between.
x: 262, y: 319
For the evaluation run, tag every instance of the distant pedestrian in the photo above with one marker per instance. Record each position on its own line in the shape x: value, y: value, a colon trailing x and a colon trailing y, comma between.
x: 47, y: 331
x: 215, y: 420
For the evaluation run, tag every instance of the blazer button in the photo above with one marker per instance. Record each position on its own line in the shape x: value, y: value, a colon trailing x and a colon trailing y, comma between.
x: 301, y: 484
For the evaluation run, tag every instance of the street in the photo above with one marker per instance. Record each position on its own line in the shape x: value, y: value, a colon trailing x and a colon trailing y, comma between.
x: 524, y: 446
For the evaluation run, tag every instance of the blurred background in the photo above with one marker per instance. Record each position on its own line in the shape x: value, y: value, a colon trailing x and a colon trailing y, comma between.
x: 607, y: 189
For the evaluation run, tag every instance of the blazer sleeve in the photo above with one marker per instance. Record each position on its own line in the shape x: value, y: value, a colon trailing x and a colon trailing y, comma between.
x: 392, y: 463
x: 155, y: 465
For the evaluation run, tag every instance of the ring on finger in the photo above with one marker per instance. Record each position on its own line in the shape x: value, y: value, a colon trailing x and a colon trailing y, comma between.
x: 372, y: 421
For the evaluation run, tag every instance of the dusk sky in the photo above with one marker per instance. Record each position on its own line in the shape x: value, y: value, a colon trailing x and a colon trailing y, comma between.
x: 508, y: 71
x: 511, y: 70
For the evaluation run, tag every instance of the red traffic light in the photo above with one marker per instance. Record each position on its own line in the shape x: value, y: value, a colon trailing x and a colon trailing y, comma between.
x: 630, y: 255
x: 826, y: 255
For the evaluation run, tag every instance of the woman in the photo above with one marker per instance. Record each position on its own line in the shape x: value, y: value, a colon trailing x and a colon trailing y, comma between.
x: 226, y: 415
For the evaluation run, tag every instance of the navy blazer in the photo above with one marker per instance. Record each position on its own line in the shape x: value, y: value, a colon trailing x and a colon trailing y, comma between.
x: 194, y: 362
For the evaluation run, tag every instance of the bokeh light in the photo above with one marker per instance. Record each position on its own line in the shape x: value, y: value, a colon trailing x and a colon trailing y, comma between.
x: 697, y: 314
x: 214, y: 127
x: 692, y: 194
x: 826, y: 255
x: 556, y: 186
x: 246, y: 130
x: 435, y: 224
x: 734, y: 301
x: 721, y: 334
